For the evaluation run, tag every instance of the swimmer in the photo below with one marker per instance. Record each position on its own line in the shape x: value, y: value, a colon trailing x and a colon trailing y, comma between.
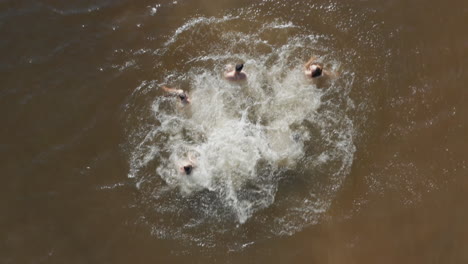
x: 189, y: 166
x: 315, y: 70
x: 235, y: 75
x: 187, y: 169
x: 184, y: 99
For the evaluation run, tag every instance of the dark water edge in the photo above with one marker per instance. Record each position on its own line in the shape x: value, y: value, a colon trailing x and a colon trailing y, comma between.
x: 66, y: 196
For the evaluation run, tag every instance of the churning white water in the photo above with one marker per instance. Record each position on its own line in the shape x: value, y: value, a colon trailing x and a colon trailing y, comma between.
x: 233, y: 129
x: 270, y: 151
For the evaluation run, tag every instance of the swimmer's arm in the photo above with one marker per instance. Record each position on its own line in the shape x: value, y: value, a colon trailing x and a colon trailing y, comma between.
x: 308, y: 63
x: 192, y: 160
x: 171, y: 90
x: 331, y: 74
x: 168, y: 89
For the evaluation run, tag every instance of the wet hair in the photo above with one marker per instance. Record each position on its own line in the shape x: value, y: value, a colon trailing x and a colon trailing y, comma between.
x: 317, y: 72
x: 188, y: 169
x: 239, y: 67
x: 182, y: 96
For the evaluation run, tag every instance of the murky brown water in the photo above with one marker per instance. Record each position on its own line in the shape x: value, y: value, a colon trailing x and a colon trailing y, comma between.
x: 367, y: 168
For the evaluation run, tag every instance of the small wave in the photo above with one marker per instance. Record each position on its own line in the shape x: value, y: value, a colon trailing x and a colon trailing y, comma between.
x: 112, y: 186
x: 195, y: 22
x: 79, y: 10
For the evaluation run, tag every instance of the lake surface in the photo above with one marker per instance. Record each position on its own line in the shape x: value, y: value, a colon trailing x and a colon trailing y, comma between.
x: 369, y: 166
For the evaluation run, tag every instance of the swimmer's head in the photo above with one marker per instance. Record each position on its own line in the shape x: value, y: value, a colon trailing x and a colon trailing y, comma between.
x: 316, y: 70
x: 183, y: 96
x: 239, y: 67
x: 188, y: 169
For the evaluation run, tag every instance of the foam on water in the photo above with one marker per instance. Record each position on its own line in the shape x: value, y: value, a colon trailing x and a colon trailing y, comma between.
x: 270, y: 153
x: 231, y: 128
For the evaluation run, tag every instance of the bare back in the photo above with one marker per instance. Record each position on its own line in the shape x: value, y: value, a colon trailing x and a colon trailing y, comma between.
x: 235, y: 76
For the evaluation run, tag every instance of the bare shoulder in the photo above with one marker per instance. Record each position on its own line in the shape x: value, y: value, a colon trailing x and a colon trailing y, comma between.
x: 229, y: 77
x: 228, y: 74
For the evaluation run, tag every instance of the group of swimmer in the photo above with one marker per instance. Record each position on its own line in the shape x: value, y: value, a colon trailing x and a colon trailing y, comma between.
x: 312, y: 70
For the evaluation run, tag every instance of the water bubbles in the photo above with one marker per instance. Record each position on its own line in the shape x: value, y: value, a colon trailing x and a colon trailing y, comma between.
x: 154, y: 9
